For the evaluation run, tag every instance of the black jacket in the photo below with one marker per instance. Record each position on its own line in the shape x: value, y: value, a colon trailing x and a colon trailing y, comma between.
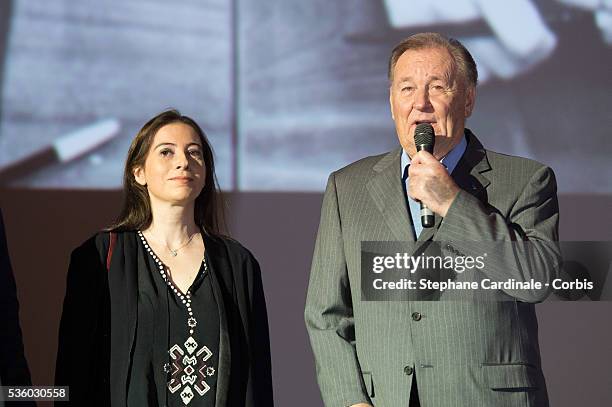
x: 98, y: 324
x: 13, y: 366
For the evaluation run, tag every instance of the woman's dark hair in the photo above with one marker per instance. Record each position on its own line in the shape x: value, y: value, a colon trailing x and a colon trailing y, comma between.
x: 136, y: 209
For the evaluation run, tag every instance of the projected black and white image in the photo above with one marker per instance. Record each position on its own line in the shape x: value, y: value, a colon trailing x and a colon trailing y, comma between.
x: 290, y: 91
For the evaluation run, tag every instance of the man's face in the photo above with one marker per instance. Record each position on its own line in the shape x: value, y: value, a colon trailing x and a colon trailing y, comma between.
x: 428, y: 88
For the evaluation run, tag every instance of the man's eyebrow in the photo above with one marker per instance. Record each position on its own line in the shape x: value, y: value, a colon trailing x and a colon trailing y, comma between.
x: 405, y: 79
x: 437, y: 78
x: 430, y: 79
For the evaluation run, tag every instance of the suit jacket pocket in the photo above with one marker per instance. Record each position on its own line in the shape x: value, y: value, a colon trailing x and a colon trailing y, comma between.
x: 369, y: 383
x: 512, y: 376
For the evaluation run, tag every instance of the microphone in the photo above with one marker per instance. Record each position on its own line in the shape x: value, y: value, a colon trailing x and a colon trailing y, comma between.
x: 424, y: 139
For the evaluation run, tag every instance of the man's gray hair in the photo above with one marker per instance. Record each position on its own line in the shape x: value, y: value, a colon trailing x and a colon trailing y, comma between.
x: 463, y: 58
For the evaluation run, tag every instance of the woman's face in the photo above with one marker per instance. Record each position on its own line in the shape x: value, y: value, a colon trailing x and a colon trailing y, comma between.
x: 174, y: 170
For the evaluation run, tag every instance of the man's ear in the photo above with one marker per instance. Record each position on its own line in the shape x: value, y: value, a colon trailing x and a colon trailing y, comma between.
x: 139, y: 176
x: 470, y: 100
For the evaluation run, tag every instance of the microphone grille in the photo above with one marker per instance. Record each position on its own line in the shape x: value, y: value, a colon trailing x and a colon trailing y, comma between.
x: 424, y: 134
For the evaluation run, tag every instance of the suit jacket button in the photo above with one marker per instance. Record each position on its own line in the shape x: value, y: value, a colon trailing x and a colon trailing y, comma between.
x: 416, y: 316
x: 408, y: 370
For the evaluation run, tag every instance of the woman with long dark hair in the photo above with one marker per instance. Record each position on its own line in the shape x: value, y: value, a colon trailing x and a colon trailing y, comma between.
x: 161, y: 309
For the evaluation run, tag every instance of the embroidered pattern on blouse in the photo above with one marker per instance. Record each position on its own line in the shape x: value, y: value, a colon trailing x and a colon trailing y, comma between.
x: 189, y: 368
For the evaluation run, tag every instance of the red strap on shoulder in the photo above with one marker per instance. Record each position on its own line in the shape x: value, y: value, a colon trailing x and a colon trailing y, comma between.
x: 111, y: 247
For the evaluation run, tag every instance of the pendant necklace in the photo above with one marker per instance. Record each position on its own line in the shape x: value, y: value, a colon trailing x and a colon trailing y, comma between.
x: 174, y: 252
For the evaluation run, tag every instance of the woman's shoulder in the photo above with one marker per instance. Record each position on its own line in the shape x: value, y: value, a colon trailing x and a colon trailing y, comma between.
x: 235, y: 249
x: 101, y: 241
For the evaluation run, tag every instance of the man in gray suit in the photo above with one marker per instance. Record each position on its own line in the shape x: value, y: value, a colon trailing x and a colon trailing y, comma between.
x: 456, y: 353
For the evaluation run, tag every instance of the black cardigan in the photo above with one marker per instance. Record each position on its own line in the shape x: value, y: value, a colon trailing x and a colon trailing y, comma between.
x: 98, y: 324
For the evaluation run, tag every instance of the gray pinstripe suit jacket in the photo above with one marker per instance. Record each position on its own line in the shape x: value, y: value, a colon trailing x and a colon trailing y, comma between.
x: 464, y: 353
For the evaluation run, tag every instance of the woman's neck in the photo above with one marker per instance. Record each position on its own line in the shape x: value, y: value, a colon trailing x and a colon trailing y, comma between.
x: 172, y: 224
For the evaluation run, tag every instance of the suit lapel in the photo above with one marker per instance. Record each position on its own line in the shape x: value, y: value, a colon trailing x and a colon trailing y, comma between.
x: 386, y: 191
x: 470, y: 169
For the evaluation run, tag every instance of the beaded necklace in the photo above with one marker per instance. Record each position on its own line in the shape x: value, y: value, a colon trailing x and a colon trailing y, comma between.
x: 183, y: 368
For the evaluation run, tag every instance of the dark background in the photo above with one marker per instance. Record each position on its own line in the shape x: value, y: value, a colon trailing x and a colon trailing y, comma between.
x: 44, y: 226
